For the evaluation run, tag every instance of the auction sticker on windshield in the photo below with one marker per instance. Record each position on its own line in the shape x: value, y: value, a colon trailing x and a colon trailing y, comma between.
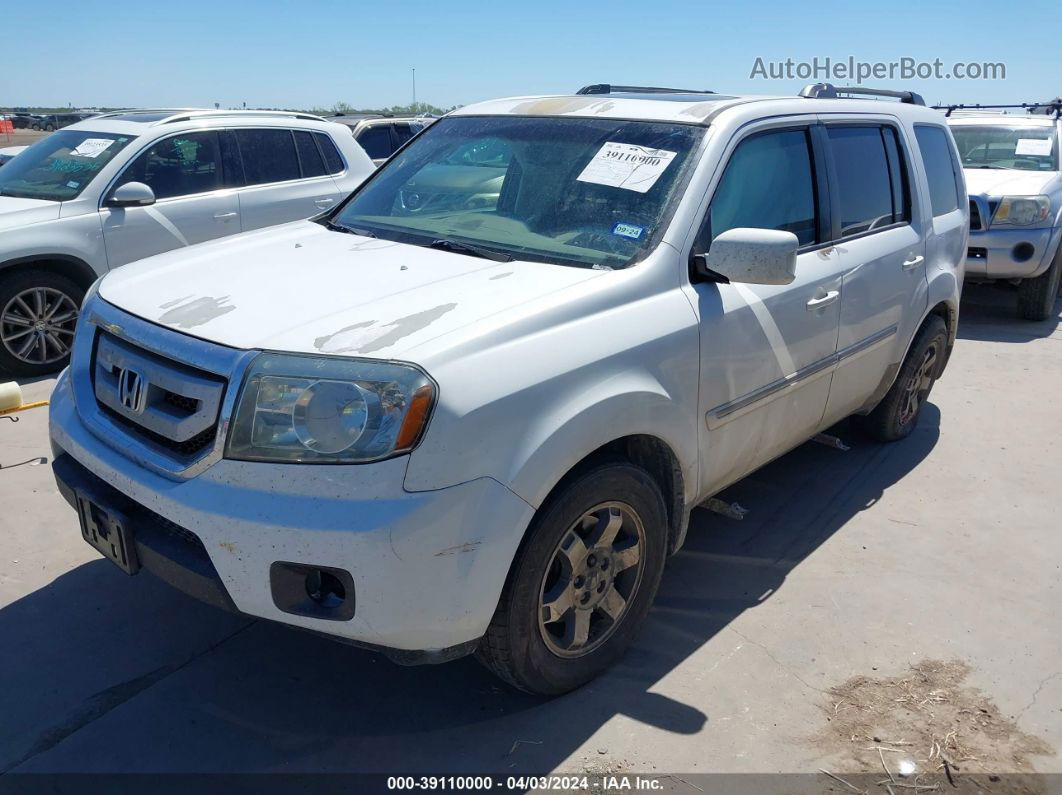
x: 91, y: 147
x: 1033, y: 146
x: 626, y: 166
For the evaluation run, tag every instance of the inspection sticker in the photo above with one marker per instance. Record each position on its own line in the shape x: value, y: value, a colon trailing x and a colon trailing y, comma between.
x: 629, y: 230
x: 1033, y: 146
x: 91, y: 147
x: 626, y: 166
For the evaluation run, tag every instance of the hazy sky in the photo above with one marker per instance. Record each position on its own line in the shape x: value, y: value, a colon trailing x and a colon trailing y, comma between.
x: 195, y: 53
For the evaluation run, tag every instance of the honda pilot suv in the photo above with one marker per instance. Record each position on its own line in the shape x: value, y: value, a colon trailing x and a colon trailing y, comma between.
x: 1015, y: 183
x: 482, y: 429
x: 123, y: 186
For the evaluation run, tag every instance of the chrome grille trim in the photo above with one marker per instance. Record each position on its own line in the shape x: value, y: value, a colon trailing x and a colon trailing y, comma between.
x: 122, y: 336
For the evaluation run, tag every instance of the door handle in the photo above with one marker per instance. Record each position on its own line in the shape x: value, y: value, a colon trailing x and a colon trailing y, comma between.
x: 913, y: 262
x: 323, y: 203
x: 224, y: 216
x: 826, y: 300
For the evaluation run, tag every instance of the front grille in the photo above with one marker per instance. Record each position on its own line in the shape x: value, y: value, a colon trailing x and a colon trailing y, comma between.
x: 161, y: 402
x: 975, y: 215
x: 176, y: 531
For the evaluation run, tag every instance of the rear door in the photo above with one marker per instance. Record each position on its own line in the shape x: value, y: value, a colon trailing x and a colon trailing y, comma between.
x: 878, y: 240
x: 193, y: 200
x: 285, y: 175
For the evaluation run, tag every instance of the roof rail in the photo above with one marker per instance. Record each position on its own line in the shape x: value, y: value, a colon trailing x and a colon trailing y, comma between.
x: 123, y: 111
x: 1046, y: 108
x: 830, y: 91
x: 607, y: 88
x: 212, y: 114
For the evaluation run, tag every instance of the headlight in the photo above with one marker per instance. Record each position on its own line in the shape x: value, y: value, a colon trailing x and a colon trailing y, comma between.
x: 1022, y: 210
x: 324, y: 410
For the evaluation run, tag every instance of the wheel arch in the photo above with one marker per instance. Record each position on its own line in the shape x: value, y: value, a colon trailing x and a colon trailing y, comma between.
x: 77, y: 270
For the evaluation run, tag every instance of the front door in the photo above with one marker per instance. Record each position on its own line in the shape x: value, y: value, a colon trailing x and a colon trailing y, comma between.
x: 192, y: 204
x: 766, y: 350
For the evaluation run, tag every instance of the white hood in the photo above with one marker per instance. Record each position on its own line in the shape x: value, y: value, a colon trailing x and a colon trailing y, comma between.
x: 303, y: 288
x: 1004, y: 182
x: 21, y: 212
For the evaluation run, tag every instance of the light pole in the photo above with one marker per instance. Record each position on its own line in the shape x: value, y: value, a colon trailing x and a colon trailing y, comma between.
x: 414, y: 88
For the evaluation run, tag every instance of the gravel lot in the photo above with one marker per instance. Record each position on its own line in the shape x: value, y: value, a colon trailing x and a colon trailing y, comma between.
x: 942, y: 552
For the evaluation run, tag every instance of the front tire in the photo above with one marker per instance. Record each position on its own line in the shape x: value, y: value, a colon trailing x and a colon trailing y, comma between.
x: 896, y: 416
x: 38, y: 313
x: 1036, y: 297
x: 582, y: 582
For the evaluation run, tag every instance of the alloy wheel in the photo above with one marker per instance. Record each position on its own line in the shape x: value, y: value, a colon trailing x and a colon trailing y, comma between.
x: 37, y: 325
x: 592, y: 577
x: 918, y: 386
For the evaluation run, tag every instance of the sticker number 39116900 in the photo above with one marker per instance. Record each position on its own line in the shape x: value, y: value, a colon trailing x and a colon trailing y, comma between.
x: 627, y: 166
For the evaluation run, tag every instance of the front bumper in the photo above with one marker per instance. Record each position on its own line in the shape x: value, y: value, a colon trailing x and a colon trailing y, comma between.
x: 1008, y: 252
x: 427, y: 567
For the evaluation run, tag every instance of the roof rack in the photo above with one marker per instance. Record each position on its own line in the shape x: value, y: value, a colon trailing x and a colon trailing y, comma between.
x: 607, y: 88
x: 1046, y: 108
x: 830, y: 91
x: 197, y: 114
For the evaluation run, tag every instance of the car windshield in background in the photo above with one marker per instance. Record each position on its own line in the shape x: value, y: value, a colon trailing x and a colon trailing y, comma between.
x: 1023, y: 148
x: 570, y: 191
x: 58, y: 168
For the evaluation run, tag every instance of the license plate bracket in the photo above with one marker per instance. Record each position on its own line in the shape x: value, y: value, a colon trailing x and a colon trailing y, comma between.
x: 108, y: 531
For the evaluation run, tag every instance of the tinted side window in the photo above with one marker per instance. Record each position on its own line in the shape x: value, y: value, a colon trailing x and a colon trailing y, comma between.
x: 940, y: 168
x: 309, y: 158
x: 403, y: 132
x: 333, y: 162
x: 268, y: 156
x: 768, y: 184
x: 179, y: 166
x: 901, y: 193
x: 865, y: 197
x: 376, y: 141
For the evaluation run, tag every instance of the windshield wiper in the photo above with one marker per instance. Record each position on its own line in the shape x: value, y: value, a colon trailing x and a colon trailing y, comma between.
x: 348, y: 230
x: 1005, y: 168
x: 458, y: 247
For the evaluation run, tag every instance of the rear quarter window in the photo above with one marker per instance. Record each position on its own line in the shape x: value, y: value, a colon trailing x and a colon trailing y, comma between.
x: 942, y: 170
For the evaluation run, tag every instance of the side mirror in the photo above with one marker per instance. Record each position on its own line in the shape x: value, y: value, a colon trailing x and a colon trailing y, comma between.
x: 750, y: 256
x: 131, y: 194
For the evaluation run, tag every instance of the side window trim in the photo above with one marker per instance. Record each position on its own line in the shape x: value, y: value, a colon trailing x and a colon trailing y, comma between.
x: 834, y: 190
x: 818, y: 177
x: 117, y: 179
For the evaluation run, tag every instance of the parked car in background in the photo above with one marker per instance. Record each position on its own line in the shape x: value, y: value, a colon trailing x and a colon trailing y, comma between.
x: 8, y: 153
x: 56, y: 121
x: 130, y: 184
x: 381, y: 136
x: 23, y: 121
x: 483, y: 429
x: 1015, y: 182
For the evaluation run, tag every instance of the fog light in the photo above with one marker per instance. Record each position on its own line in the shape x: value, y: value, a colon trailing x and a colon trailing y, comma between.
x: 314, y: 591
x: 1023, y: 252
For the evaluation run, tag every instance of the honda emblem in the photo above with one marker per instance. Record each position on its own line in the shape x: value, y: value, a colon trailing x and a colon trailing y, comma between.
x: 132, y: 389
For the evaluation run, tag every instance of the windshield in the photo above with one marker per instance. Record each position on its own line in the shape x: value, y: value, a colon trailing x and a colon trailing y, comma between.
x: 569, y: 191
x: 1032, y: 148
x: 59, y: 167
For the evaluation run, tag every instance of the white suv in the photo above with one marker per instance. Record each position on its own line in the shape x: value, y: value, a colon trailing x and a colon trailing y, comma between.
x: 484, y: 428
x: 127, y: 185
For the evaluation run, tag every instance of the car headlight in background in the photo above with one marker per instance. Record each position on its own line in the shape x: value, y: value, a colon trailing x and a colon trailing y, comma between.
x: 328, y: 410
x: 1022, y: 210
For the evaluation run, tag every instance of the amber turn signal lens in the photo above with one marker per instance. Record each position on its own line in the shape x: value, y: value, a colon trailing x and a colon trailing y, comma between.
x: 416, y: 418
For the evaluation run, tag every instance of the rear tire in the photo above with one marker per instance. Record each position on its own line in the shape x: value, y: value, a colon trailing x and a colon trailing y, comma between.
x: 1036, y: 297
x: 38, y: 312
x: 582, y: 582
x: 896, y: 416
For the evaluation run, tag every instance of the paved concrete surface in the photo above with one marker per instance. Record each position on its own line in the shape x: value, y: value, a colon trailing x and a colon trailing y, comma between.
x: 945, y: 546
